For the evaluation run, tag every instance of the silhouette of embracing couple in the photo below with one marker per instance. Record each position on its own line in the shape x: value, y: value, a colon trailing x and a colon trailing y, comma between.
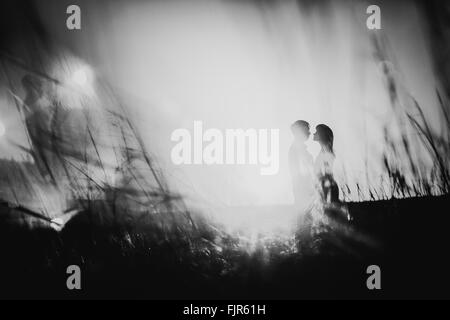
x: 312, y: 178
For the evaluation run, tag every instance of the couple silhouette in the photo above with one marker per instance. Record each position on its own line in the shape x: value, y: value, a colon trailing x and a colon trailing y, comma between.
x: 312, y: 178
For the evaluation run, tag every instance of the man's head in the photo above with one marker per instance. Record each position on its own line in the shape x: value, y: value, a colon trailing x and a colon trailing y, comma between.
x: 300, y: 130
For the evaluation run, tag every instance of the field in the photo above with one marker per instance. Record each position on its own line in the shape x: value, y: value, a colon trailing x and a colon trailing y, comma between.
x: 155, y: 261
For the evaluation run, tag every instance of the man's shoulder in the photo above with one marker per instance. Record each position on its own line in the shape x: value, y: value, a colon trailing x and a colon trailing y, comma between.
x: 292, y: 149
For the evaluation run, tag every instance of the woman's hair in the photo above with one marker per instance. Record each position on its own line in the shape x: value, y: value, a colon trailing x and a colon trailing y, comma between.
x: 325, y: 137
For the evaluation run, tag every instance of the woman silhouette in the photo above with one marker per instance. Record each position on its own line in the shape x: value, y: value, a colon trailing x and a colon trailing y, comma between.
x: 323, y: 165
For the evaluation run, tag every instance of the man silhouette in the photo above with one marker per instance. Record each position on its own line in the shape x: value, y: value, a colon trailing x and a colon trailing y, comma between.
x: 301, y: 165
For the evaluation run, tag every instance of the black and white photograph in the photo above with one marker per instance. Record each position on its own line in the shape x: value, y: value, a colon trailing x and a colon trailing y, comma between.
x: 237, y: 151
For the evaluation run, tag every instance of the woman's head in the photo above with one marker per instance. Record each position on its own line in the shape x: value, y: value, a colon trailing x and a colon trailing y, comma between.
x: 324, y: 136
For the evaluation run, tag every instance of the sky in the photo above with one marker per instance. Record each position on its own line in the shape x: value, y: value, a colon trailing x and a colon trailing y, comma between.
x: 250, y: 64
